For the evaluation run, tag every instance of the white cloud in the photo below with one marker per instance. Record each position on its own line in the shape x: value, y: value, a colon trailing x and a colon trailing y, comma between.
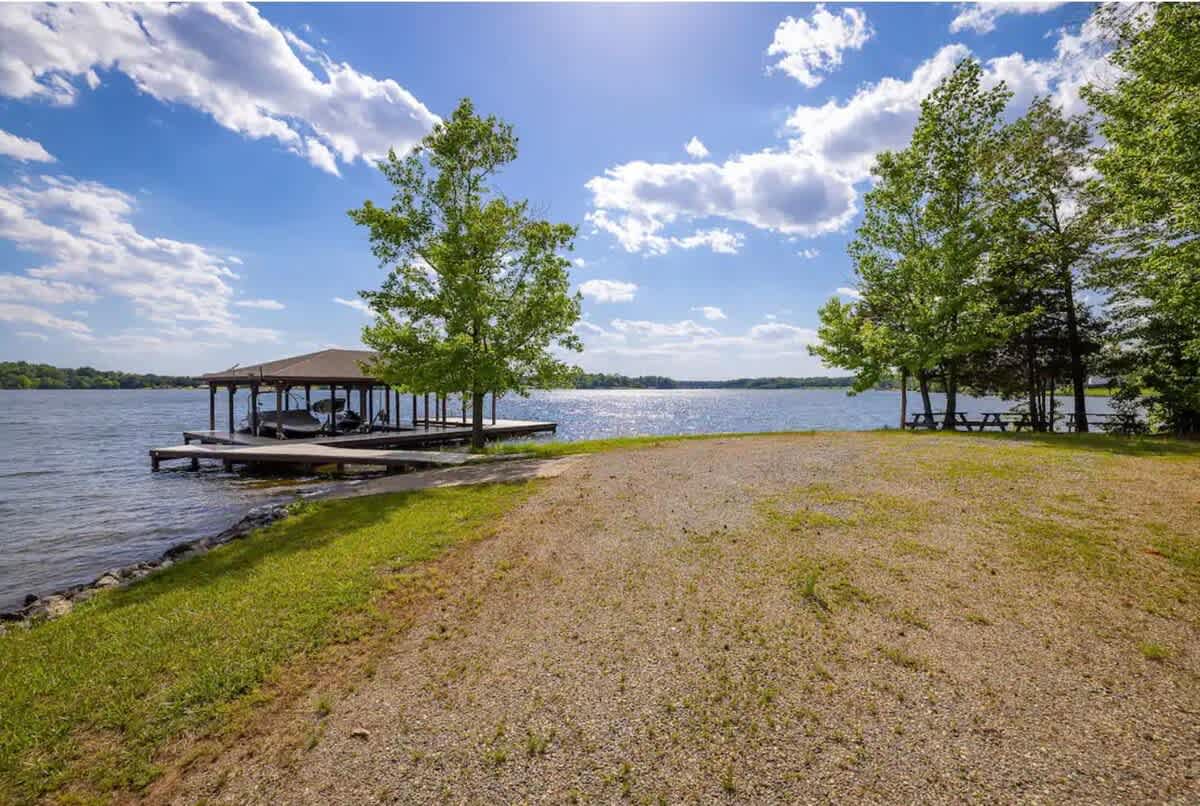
x: 82, y: 232
x: 776, y: 191
x: 30, y: 315
x: 357, y: 304
x: 32, y: 289
x: 29, y: 334
x: 608, y: 290
x: 261, y: 304
x: 237, y: 261
x: 579, y: 262
x: 669, y: 330
x: 1080, y: 58
x: 711, y: 312
x: 852, y: 293
x: 809, y: 254
x: 780, y: 333
x: 695, y: 148
x: 848, y: 134
x: 809, y: 47
x: 688, y: 341
x: 21, y: 149
x: 721, y: 241
x: 225, y: 60
x: 878, y: 116
x: 981, y: 17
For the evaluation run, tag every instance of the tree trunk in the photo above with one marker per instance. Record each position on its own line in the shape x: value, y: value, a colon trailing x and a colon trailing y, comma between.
x: 1035, y: 417
x: 903, y: 397
x: 923, y: 381
x: 949, y: 423
x: 1078, y: 381
x: 1053, y: 384
x: 477, y: 440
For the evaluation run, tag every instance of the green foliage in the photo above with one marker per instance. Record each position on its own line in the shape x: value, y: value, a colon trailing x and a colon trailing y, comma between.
x: 1047, y: 229
x: 1151, y: 182
x: 919, y: 252
x: 23, y: 375
x: 477, y: 292
x: 87, y: 699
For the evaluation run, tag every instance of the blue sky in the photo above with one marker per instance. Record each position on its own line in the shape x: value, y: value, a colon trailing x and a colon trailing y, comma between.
x: 174, y: 180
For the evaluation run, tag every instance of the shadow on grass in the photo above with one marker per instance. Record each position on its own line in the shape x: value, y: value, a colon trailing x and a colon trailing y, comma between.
x: 1103, y: 443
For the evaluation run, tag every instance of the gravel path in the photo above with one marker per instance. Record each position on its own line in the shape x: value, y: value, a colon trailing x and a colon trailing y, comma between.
x: 869, y: 617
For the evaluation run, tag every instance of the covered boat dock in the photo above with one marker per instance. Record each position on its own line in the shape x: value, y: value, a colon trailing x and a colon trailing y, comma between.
x: 330, y: 373
x: 378, y: 434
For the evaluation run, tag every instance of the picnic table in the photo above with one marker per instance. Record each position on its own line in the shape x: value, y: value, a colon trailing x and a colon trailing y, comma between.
x: 930, y: 421
x: 1017, y: 419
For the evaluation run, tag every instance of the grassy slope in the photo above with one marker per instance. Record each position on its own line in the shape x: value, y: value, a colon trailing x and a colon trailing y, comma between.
x: 86, y: 701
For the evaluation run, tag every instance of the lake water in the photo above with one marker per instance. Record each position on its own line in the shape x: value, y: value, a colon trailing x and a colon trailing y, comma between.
x: 77, y: 496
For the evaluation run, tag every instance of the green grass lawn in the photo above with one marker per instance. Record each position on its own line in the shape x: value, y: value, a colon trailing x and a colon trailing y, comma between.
x: 88, y: 700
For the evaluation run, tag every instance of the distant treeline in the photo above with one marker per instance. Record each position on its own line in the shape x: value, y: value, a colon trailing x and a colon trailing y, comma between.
x: 602, y: 380
x: 23, y: 375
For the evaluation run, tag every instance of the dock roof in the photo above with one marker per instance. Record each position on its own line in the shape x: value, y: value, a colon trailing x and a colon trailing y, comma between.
x: 324, y: 366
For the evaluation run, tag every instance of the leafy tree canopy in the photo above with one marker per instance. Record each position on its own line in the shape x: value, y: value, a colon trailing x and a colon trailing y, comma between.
x: 477, y: 293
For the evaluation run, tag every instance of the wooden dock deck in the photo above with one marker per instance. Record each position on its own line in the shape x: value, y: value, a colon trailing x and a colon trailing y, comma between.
x: 420, y: 436
x: 393, y: 448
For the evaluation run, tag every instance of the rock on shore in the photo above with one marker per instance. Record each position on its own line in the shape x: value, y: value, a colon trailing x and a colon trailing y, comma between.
x: 41, y: 608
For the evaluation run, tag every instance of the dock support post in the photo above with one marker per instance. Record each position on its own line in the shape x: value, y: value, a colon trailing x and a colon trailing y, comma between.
x: 227, y: 464
x: 426, y: 411
x: 153, y: 462
x: 493, y: 408
x: 232, y: 390
x: 414, y: 407
x: 370, y: 406
x: 308, y: 397
x: 212, y: 407
x: 254, y: 409
x: 278, y: 409
x: 332, y: 410
x: 195, y: 463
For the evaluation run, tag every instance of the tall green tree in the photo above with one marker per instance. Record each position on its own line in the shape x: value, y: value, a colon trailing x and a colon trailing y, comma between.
x: 920, y: 251
x: 1151, y: 182
x: 1049, y: 224
x: 478, y: 293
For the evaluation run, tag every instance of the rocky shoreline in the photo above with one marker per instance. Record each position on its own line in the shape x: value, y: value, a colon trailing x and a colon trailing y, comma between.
x: 54, y: 605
